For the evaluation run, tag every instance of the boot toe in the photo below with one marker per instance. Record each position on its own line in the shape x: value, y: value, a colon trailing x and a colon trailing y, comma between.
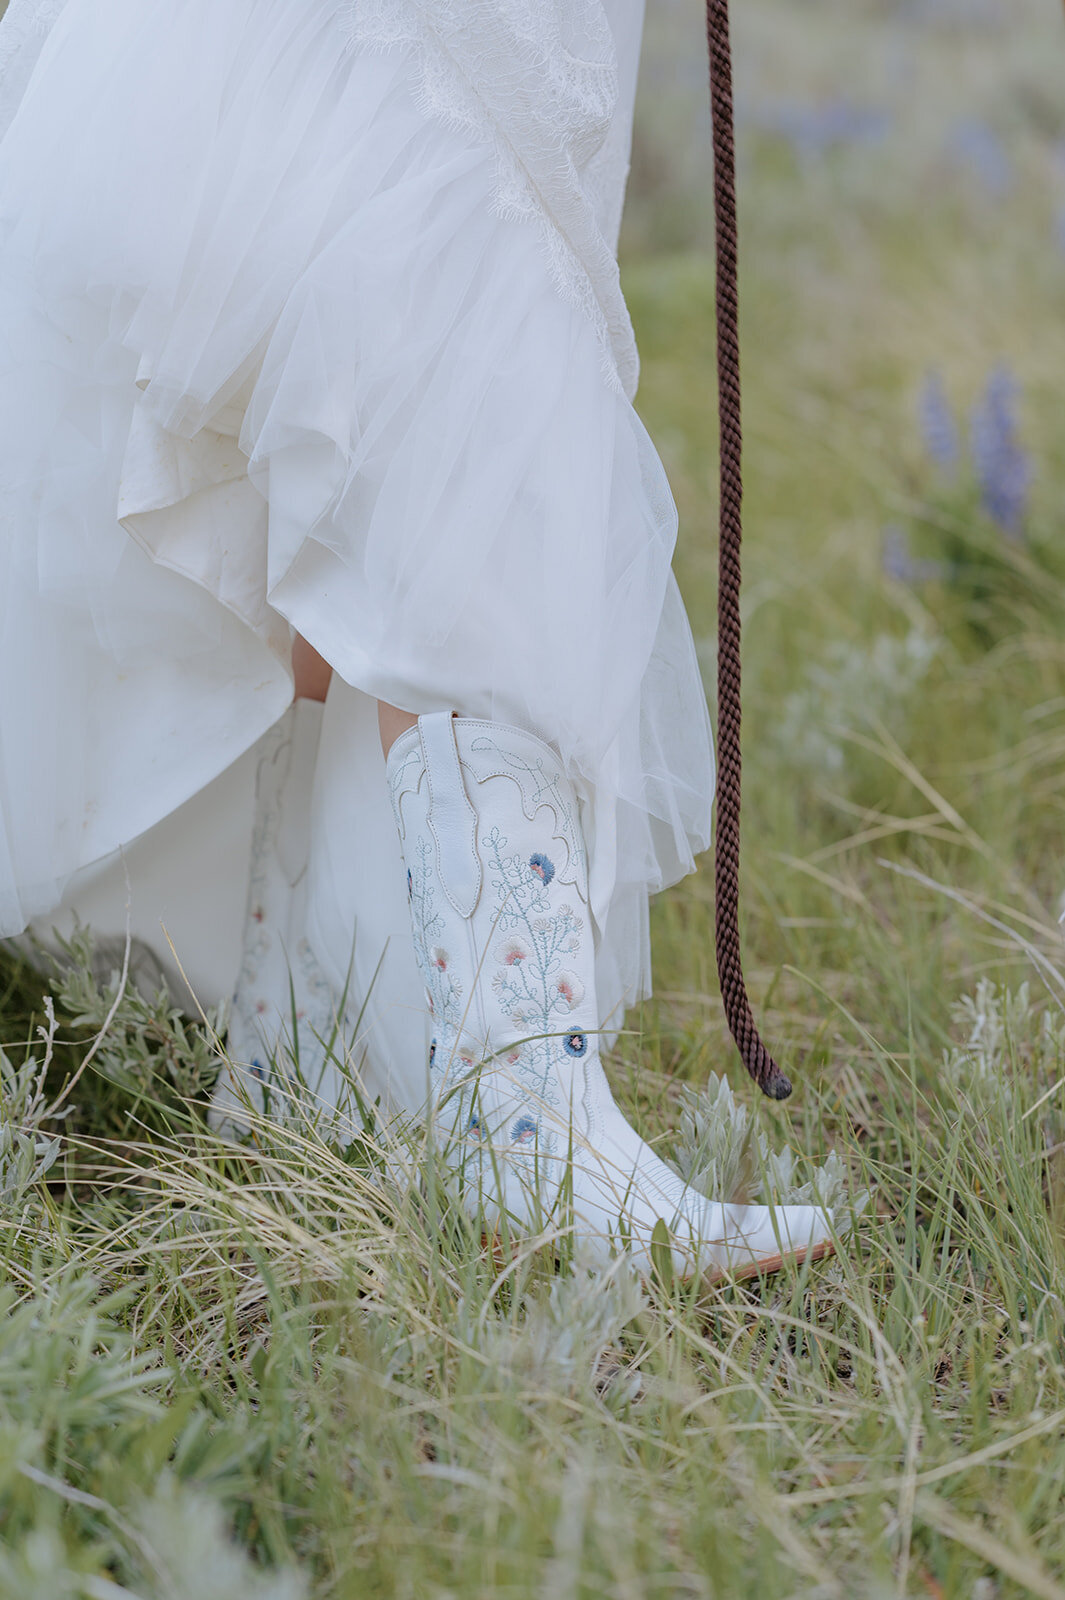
x: 766, y: 1236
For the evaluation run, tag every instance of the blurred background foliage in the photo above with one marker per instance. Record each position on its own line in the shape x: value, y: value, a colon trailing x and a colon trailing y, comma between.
x: 902, y: 196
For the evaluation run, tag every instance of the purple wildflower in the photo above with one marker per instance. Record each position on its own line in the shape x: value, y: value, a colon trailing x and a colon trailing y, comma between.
x: 812, y: 130
x: 1003, y: 470
x: 980, y: 149
x: 938, y: 427
x: 900, y: 564
x: 953, y: 11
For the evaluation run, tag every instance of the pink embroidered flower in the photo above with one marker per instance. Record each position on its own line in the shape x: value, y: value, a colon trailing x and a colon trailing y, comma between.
x: 439, y: 958
x: 570, y: 989
x: 512, y: 952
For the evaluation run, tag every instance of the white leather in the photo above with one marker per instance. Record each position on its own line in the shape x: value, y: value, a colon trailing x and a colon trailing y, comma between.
x: 287, y: 1027
x: 519, y: 1100
x: 452, y: 819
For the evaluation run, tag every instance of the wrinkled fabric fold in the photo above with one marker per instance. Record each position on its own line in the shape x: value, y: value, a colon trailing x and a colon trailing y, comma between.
x: 293, y: 365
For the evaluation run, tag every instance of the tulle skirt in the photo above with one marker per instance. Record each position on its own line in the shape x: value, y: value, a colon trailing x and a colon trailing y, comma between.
x: 272, y: 358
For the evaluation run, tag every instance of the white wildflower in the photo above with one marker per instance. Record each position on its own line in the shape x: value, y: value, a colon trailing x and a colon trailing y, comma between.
x: 720, y: 1151
x: 854, y: 684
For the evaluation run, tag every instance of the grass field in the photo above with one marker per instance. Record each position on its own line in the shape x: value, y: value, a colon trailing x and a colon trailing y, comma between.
x: 227, y: 1378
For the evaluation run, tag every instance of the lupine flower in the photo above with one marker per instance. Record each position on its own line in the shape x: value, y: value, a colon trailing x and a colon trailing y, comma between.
x: 938, y: 427
x: 980, y: 149
x: 899, y: 564
x: 953, y: 11
x: 895, y: 557
x: 812, y: 130
x: 1003, y: 470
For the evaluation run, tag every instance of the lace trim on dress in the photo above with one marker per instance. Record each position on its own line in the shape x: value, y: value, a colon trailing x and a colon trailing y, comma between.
x: 24, y: 28
x: 536, y: 80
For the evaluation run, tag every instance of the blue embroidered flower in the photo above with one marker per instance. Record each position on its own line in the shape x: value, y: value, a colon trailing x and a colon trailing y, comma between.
x: 474, y: 1127
x: 575, y: 1044
x: 524, y: 1131
x: 432, y: 1052
x: 258, y: 1071
x: 543, y: 866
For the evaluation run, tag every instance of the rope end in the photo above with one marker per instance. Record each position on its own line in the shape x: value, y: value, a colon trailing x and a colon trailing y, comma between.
x: 774, y: 1084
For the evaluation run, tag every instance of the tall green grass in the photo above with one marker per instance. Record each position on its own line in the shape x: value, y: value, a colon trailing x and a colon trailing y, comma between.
x: 290, y: 1371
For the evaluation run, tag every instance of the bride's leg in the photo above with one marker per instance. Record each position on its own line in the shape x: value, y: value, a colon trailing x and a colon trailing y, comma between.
x: 311, y: 673
x: 392, y: 723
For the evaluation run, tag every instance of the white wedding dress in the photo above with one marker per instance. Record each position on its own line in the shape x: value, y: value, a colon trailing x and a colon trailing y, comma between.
x: 310, y: 319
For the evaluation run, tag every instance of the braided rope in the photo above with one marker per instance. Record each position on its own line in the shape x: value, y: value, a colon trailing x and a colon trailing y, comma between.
x: 756, y: 1058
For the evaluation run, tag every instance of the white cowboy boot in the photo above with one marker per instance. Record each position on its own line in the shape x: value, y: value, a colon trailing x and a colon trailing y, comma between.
x: 497, y: 880
x: 284, y: 1012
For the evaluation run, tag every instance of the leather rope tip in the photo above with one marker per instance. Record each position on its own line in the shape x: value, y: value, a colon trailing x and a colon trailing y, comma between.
x: 756, y: 1058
